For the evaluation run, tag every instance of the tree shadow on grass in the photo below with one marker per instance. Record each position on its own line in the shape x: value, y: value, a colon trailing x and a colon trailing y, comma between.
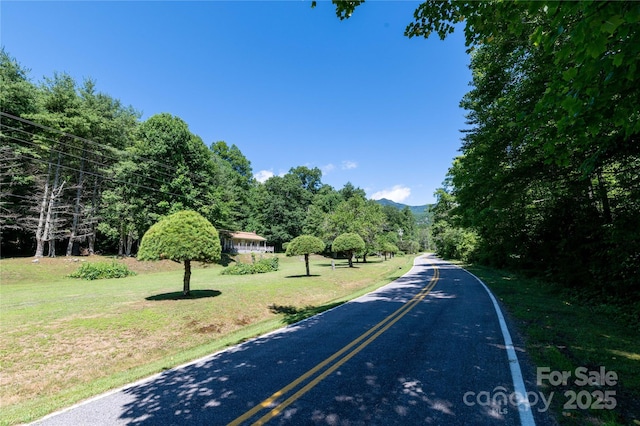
x: 293, y: 315
x: 339, y: 265
x: 177, y: 295
x: 302, y: 276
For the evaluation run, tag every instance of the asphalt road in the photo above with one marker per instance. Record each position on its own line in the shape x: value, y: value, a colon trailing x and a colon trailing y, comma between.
x: 426, y: 349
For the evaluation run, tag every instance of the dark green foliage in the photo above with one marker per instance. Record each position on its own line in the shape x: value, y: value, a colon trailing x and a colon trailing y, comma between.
x: 456, y: 243
x: 325, y: 202
x: 360, y: 216
x: 402, y: 225
x: 344, y: 8
x: 260, y: 267
x: 184, y: 236
x: 305, y: 244
x: 167, y: 169
x: 385, y: 245
x: 108, y: 177
x: 282, y: 202
x: 18, y: 94
x: 451, y: 240
x: 101, y: 270
x: 348, y: 191
x: 239, y: 269
x: 235, y: 184
x: 348, y: 243
x: 549, y: 176
x: 17, y: 180
x: 58, y: 138
x: 266, y: 265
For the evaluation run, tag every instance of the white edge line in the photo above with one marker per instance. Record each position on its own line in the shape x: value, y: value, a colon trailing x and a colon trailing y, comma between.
x: 524, y: 408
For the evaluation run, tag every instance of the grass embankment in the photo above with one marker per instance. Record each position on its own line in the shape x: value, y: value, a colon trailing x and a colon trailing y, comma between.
x: 63, y: 339
x: 563, y: 333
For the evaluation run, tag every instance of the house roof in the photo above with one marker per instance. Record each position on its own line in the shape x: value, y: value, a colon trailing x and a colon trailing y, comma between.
x: 247, y: 236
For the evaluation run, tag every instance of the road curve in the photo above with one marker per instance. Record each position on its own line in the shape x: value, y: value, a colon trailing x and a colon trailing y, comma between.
x: 428, y: 348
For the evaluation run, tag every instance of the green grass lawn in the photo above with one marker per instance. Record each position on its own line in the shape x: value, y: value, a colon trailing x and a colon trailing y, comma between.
x: 563, y: 334
x: 63, y: 339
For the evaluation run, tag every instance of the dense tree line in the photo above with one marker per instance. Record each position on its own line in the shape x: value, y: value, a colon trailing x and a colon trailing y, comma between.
x: 548, y: 179
x: 82, y: 173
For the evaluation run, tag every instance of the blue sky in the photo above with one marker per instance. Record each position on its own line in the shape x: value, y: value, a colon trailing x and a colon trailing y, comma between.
x: 289, y: 85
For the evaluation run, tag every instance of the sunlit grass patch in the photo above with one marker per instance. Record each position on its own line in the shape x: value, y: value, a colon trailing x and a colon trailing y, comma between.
x: 65, y: 339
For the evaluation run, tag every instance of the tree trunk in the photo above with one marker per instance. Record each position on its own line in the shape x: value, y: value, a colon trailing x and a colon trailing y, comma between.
x: 350, y: 256
x: 91, y: 238
x: 50, y: 225
x: 52, y: 218
x: 91, y: 241
x: 40, y: 235
x: 129, y: 247
x: 46, y: 234
x: 187, y: 278
x: 121, y: 241
x: 76, y: 207
x: 604, y: 199
x: 306, y: 262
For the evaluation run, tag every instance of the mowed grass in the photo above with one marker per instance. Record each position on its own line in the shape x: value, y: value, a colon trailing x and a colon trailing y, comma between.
x: 64, y: 339
x: 563, y: 334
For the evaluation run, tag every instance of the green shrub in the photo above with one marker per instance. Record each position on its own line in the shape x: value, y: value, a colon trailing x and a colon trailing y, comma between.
x: 272, y: 262
x: 238, y: 269
x: 260, y: 267
x: 100, y: 270
x: 457, y: 243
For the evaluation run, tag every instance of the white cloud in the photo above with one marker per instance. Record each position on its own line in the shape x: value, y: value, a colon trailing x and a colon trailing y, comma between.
x: 398, y: 194
x: 347, y: 165
x: 263, y: 175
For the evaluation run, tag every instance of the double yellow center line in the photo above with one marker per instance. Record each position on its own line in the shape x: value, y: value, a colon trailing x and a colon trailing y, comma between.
x: 342, y: 356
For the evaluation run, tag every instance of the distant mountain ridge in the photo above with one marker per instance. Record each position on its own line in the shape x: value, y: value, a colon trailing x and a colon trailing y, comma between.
x: 420, y: 212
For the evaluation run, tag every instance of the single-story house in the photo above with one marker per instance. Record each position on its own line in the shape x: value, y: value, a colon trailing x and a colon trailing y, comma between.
x: 244, y: 242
